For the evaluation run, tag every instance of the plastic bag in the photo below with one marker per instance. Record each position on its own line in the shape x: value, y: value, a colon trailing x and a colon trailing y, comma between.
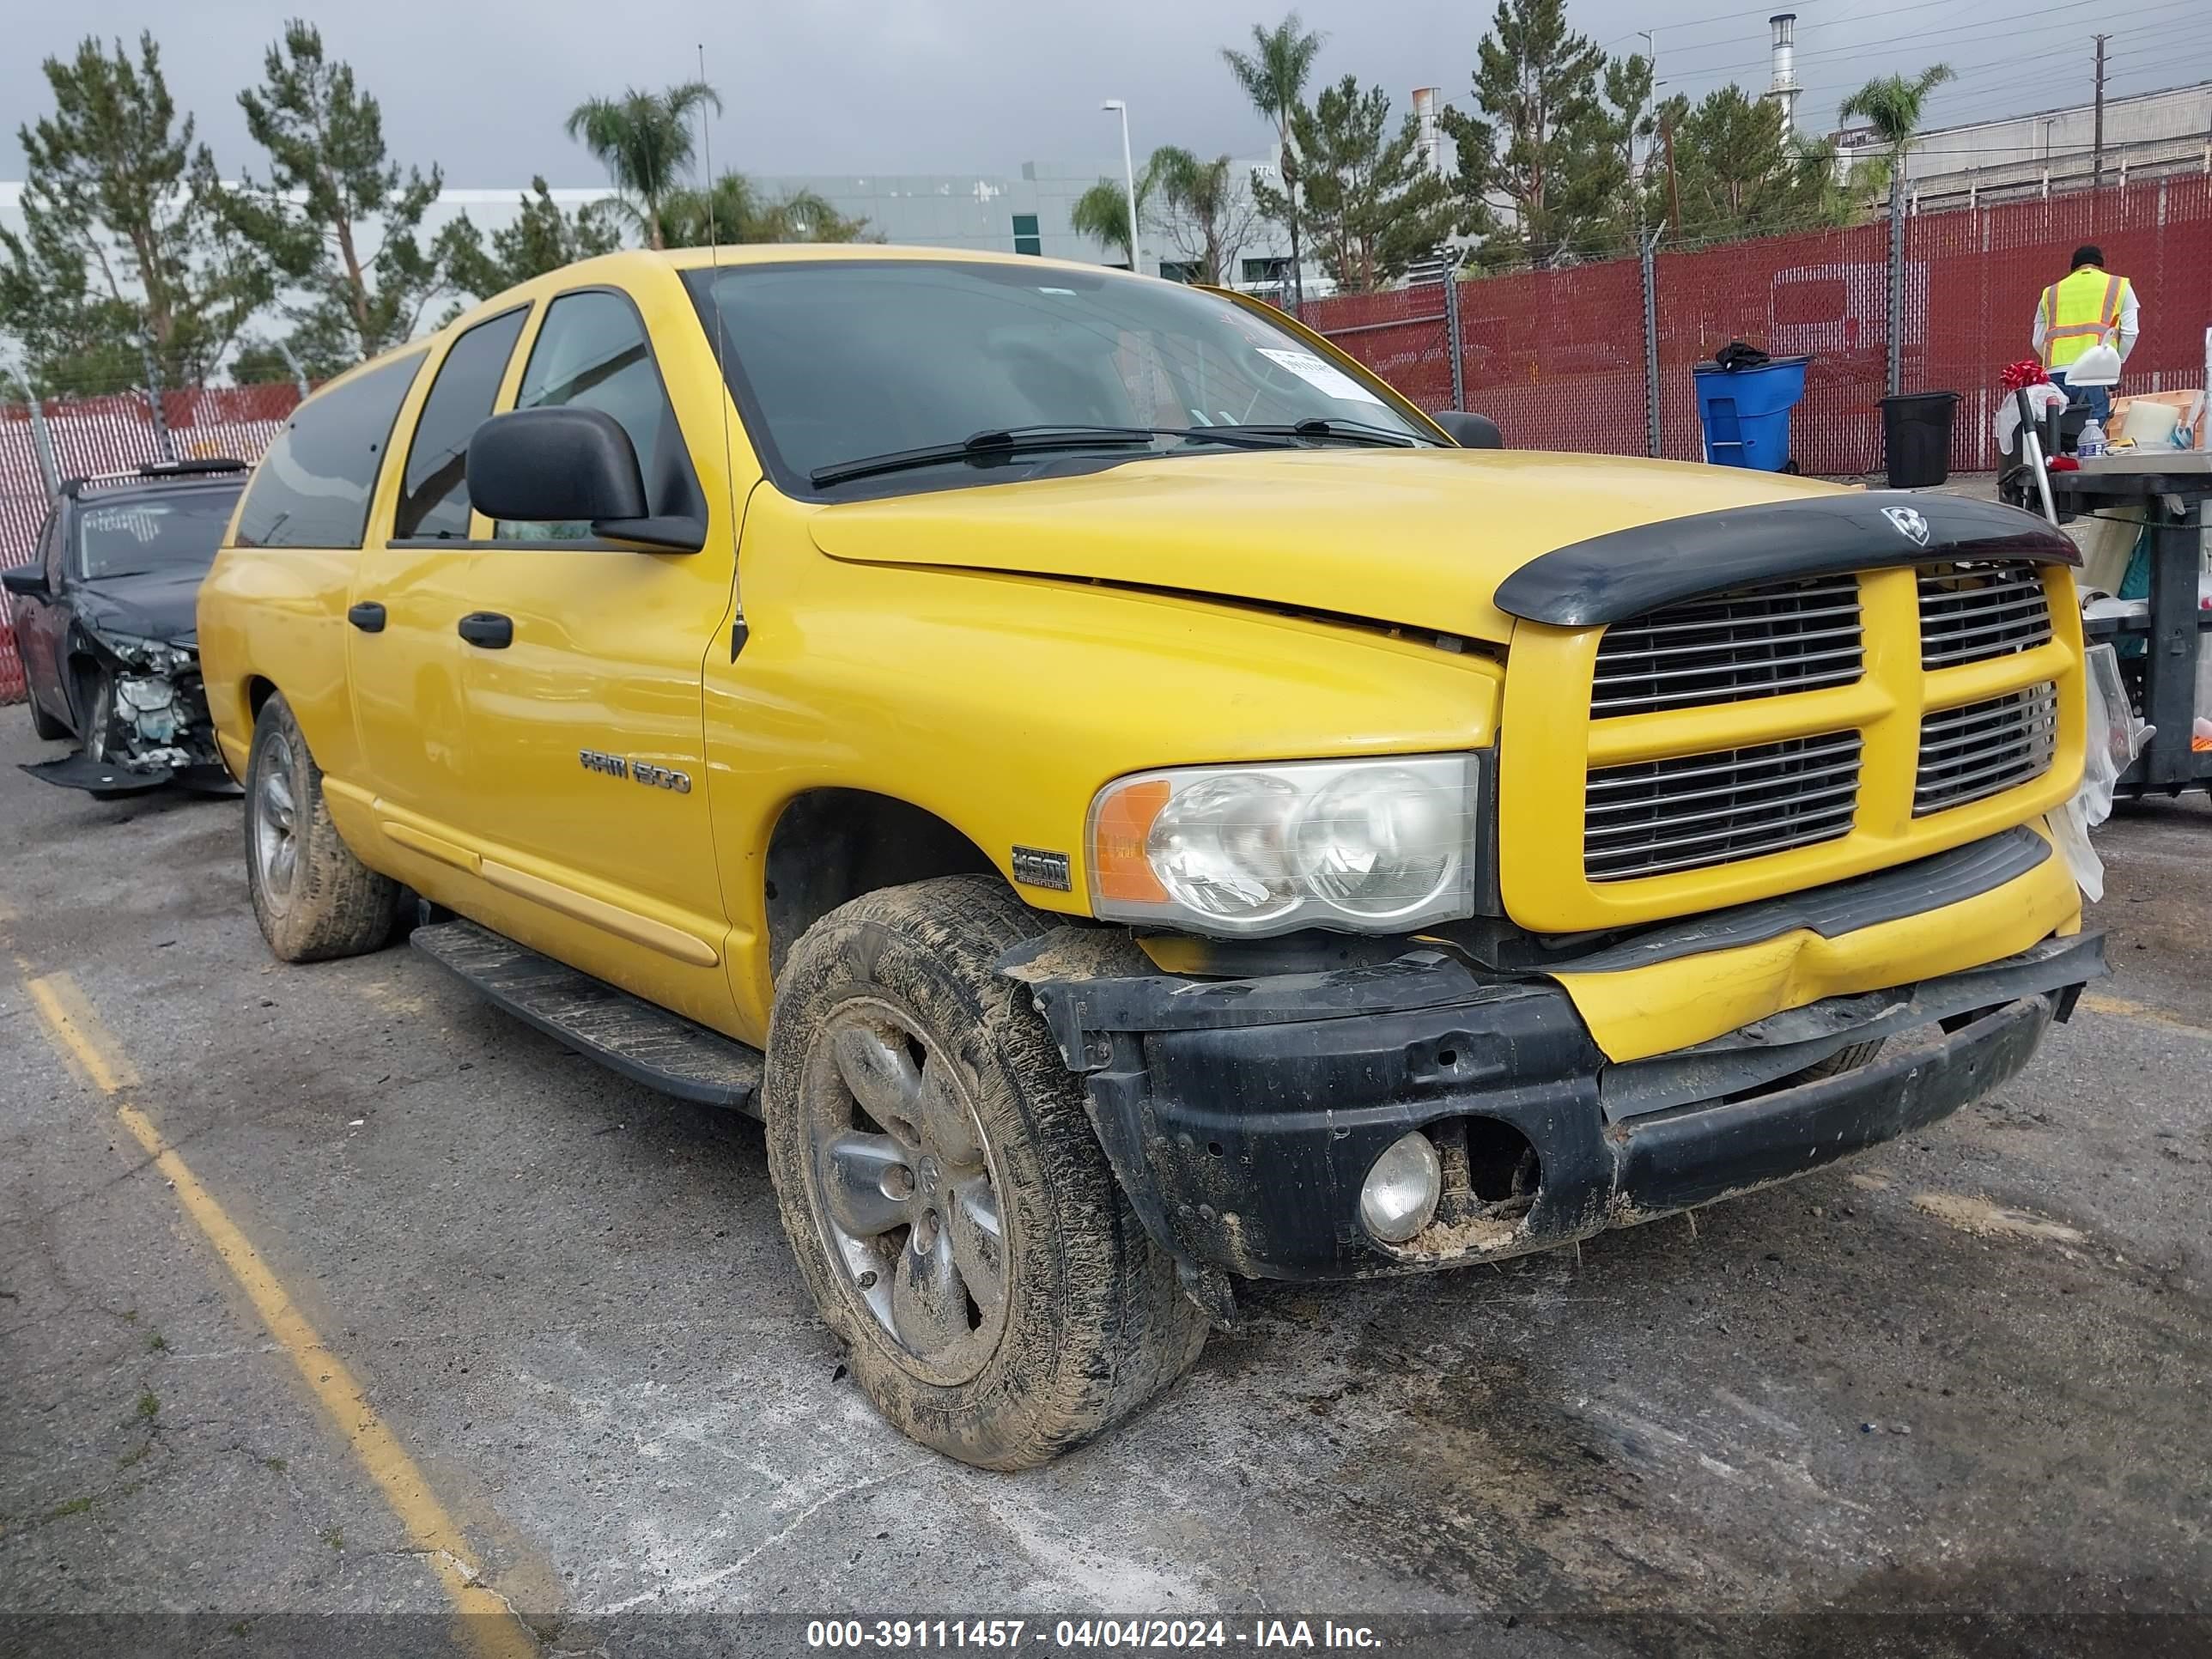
x: 2007, y: 420
x: 2069, y: 833
x: 2115, y: 737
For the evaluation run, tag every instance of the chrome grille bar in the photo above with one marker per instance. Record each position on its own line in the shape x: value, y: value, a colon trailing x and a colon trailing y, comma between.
x: 1986, y: 748
x: 1974, y: 613
x: 1764, y: 641
x: 1653, y: 817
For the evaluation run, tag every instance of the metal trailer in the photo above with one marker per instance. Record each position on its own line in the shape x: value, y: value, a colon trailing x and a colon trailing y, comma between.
x: 2171, y: 486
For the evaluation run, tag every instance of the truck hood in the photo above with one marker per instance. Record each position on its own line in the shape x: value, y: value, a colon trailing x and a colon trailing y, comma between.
x: 1417, y: 536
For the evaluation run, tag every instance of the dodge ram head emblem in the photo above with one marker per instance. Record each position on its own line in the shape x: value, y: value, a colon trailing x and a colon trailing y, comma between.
x: 1908, y: 523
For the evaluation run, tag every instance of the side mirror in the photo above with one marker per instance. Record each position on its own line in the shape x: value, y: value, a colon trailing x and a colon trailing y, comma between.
x: 1470, y: 431
x: 27, y: 581
x: 563, y: 465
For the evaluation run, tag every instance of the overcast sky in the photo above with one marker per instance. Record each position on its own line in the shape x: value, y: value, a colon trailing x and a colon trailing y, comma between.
x: 925, y: 85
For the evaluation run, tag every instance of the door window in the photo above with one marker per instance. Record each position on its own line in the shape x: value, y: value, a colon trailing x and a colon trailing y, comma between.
x: 313, y: 488
x: 434, y: 497
x: 593, y: 353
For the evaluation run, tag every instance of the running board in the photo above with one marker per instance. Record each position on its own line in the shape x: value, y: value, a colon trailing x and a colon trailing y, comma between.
x: 626, y: 1034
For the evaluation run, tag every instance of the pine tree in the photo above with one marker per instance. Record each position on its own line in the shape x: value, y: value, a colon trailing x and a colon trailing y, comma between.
x: 1541, y: 141
x: 123, y: 257
x: 541, y: 238
x: 329, y: 177
x: 1373, y: 208
x: 1737, y: 174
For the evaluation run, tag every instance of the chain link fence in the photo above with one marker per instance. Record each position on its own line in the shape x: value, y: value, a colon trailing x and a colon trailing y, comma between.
x: 42, y: 443
x: 1585, y: 358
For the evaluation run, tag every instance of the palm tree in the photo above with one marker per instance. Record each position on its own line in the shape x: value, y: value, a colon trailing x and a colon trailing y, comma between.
x: 644, y: 140
x: 1102, y: 212
x: 1273, y: 75
x: 1892, y: 106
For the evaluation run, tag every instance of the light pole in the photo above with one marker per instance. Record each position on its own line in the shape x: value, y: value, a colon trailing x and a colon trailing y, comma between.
x: 1129, y: 178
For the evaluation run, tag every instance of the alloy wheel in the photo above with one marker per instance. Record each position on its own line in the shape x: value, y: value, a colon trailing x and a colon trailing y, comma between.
x: 276, y: 795
x: 905, y: 1191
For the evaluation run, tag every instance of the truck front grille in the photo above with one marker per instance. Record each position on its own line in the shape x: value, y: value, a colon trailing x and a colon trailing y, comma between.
x: 1986, y: 748
x: 1972, y: 613
x: 1695, y: 811
x: 1752, y: 642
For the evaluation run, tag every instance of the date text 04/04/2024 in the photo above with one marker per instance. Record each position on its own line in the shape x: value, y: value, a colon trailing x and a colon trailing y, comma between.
x: 1086, y: 1633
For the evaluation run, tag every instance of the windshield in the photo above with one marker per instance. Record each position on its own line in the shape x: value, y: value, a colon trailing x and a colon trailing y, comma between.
x: 176, y: 532
x: 834, y: 362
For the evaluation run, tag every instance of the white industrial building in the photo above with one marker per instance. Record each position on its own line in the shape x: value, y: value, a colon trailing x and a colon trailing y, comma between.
x: 2150, y: 134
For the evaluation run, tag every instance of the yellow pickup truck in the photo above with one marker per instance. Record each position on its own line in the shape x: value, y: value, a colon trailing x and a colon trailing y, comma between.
x: 1130, y: 801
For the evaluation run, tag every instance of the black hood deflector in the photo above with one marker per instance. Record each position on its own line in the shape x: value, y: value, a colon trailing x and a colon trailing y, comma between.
x: 1627, y: 573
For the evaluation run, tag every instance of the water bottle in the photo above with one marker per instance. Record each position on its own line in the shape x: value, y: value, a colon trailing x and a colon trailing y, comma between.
x: 2092, y: 442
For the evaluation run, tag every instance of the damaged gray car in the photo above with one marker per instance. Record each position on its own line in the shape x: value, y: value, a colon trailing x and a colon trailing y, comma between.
x: 105, y: 621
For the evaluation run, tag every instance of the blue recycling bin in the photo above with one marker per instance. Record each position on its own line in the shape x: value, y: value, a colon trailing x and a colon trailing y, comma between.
x: 1745, y: 412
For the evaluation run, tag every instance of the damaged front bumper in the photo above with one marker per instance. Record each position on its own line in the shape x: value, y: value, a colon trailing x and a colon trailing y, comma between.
x: 1241, y: 1116
x: 154, y: 725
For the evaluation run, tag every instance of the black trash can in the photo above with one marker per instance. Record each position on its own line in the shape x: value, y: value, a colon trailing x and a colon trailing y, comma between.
x: 1916, y: 438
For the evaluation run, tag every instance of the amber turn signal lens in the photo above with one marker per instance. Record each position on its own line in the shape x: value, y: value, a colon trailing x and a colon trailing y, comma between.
x: 1118, y: 834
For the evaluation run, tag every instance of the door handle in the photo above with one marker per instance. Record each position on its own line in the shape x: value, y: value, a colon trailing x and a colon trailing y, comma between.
x: 367, y: 616
x: 488, y: 630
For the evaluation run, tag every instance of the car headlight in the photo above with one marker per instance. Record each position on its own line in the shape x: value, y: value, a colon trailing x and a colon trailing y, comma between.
x: 1356, y: 846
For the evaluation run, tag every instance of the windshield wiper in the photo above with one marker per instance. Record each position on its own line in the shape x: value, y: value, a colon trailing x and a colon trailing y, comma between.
x: 1039, y: 440
x: 1325, y: 426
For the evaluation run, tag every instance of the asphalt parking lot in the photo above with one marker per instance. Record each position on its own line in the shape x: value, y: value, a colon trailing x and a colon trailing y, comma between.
x: 1957, y: 1393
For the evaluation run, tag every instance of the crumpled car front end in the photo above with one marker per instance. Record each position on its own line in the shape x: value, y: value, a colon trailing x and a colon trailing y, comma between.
x: 145, y: 722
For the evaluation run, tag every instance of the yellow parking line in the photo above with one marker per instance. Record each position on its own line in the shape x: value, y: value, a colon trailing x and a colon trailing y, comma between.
x: 2143, y: 1012
x: 489, y: 1626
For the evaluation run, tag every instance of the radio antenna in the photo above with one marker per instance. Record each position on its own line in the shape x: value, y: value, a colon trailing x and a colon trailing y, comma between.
x: 721, y: 368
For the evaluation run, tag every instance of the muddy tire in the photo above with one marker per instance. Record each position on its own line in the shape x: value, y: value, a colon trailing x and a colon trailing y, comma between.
x: 313, y: 898
x: 952, y: 1213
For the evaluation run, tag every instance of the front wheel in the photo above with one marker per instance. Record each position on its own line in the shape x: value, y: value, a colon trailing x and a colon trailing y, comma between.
x: 312, y: 897
x: 952, y: 1213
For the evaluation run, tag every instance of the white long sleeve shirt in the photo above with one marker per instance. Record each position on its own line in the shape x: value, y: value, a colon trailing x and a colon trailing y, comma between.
x: 2131, y: 323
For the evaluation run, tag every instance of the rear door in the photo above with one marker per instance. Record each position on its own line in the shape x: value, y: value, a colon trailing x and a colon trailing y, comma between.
x: 277, y: 596
x: 583, y: 677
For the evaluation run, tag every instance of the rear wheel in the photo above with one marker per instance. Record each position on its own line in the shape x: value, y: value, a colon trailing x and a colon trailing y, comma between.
x: 312, y: 897
x: 953, y: 1215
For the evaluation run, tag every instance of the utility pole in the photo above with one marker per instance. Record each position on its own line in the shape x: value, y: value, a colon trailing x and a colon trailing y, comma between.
x: 1895, y: 376
x: 2097, y: 141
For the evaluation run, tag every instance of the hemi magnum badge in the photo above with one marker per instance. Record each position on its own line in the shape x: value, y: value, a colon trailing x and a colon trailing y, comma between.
x: 1034, y: 867
x: 644, y: 772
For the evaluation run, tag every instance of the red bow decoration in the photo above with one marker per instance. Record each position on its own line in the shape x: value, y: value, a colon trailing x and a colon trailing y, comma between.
x: 2025, y: 372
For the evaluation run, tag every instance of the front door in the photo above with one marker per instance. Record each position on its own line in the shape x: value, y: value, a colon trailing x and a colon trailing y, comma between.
x: 404, y: 654
x: 40, y: 623
x: 581, y: 667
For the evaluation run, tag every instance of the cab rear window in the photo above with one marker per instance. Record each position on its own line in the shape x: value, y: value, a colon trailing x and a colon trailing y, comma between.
x: 313, y: 489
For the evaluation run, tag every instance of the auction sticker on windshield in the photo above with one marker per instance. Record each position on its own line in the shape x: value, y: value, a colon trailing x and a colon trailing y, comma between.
x: 1322, y: 377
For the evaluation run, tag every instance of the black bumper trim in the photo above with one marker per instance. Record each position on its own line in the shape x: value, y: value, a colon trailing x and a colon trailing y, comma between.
x: 1242, y: 1117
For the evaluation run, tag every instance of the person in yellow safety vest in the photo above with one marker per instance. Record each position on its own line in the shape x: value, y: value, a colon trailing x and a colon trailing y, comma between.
x: 2086, y: 307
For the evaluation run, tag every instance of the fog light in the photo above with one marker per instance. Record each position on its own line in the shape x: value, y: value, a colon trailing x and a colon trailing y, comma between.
x: 1398, y: 1197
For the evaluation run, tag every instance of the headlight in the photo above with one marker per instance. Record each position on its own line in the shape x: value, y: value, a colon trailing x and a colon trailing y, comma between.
x: 1357, y: 846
